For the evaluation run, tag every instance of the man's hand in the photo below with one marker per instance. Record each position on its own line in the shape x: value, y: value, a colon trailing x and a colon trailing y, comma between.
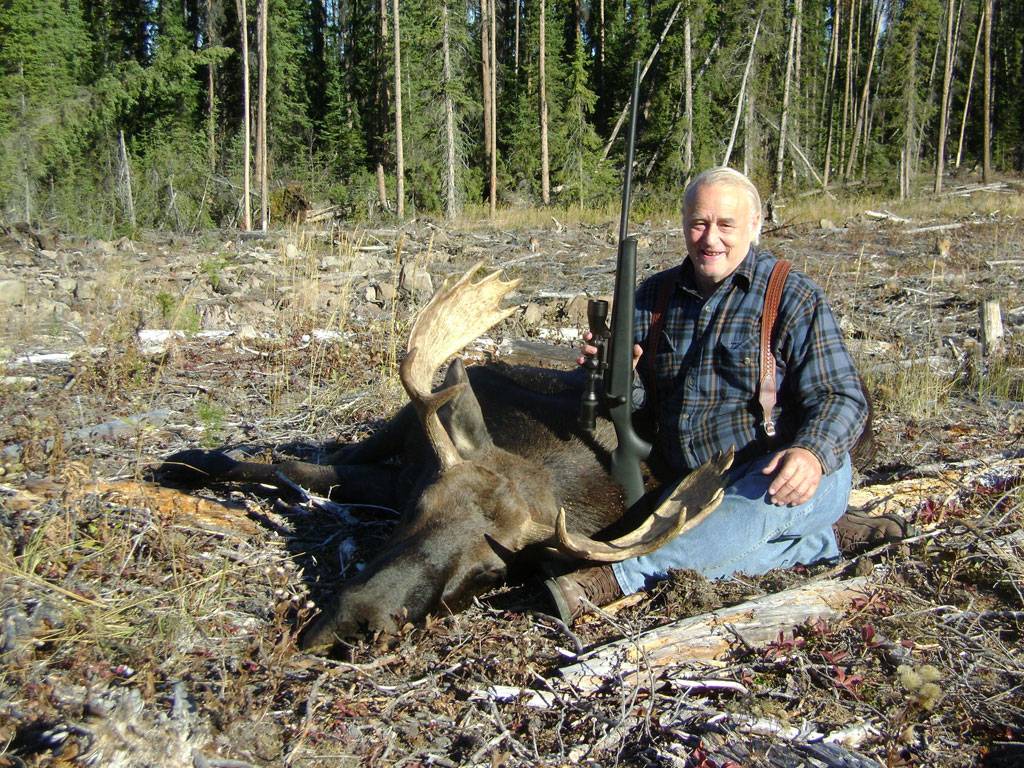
x: 589, y: 350
x: 797, y: 474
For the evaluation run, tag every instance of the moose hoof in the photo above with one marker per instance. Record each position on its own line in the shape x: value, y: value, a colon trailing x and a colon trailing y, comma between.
x: 195, y: 467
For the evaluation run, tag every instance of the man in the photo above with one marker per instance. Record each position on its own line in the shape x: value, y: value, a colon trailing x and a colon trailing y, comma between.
x: 784, y: 492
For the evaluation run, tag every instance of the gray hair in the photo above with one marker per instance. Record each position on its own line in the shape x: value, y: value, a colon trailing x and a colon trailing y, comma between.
x: 730, y: 177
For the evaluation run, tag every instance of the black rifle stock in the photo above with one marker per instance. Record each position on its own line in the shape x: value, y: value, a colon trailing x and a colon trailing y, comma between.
x: 611, y: 371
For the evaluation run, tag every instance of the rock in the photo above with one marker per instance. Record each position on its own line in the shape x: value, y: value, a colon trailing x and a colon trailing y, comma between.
x: 576, y: 310
x: 291, y: 251
x: 67, y: 285
x: 532, y: 315
x: 826, y: 224
x: 12, y: 293
x: 386, y: 292
x: 85, y: 290
x: 416, y: 281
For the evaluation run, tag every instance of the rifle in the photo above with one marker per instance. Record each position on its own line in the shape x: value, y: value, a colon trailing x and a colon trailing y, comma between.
x: 610, y: 371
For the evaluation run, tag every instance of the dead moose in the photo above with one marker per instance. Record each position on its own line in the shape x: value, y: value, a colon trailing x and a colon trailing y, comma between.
x: 491, y: 465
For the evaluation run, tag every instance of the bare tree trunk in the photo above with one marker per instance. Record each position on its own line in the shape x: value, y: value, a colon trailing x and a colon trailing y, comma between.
x: 830, y: 87
x: 797, y: 82
x: 124, y: 178
x: 688, y: 96
x: 451, y: 203
x: 211, y: 96
x: 545, y: 177
x: 485, y: 76
x: 847, y: 81
x: 399, y: 148
x: 246, y: 115
x: 780, y: 160
x: 261, y: 122
x: 643, y: 74
x: 865, y: 91
x: 743, y: 91
x: 515, y: 55
x: 748, y: 134
x: 947, y: 73
x: 970, y: 85
x: 986, y: 172
x: 908, y: 130
x: 494, y: 108
x: 382, y: 98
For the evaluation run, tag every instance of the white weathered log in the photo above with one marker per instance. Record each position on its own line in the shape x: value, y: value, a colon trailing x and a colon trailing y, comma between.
x: 932, y: 228
x: 885, y: 215
x: 642, y: 660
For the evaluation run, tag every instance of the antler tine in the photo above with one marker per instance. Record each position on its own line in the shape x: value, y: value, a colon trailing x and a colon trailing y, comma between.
x: 454, y: 317
x: 701, y: 490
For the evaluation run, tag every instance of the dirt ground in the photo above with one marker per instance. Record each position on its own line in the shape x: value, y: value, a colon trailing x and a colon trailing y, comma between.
x: 145, y: 626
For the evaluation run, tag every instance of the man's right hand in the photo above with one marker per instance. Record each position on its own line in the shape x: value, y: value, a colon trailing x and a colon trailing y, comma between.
x: 589, y: 350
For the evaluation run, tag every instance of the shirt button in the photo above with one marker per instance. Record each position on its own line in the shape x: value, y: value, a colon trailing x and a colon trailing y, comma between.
x: 746, y: 360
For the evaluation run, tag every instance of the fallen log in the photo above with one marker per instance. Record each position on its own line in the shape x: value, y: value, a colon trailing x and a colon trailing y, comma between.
x: 643, y: 660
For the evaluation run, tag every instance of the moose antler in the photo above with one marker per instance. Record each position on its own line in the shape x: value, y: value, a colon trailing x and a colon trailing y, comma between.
x: 700, y: 490
x: 454, y: 317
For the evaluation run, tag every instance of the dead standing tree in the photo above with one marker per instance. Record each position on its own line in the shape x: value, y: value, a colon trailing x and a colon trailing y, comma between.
x: 399, y: 146
x: 246, y: 114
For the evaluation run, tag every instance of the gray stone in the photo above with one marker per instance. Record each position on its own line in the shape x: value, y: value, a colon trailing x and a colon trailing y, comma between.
x: 827, y: 224
x: 85, y: 290
x: 12, y: 293
x: 416, y: 282
x: 576, y: 311
x: 532, y: 315
x: 67, y: 285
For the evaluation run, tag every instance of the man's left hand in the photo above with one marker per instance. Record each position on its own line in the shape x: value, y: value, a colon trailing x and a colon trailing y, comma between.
x: 797, y: 474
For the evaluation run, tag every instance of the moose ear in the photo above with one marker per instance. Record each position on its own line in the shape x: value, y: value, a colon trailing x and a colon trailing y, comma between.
x: 461, y: 416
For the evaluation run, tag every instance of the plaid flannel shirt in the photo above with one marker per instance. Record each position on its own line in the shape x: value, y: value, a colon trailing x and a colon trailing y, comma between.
x: 706, y: 369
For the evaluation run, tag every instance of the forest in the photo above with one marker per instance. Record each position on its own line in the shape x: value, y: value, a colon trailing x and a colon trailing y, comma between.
x: 122, y: 114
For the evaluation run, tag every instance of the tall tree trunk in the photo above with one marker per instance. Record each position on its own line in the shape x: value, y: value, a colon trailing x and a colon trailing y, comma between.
x: 515, y: 55
x: 485, y: 77
x: 748, y: 134
x: 545, y: 176
x: 970, y: 84
x: 780, y: 159
x: 399, y: 148
x: 862, y: 110
x: 847, y: 81
x: 986, y: 167
x: 261, y: 122
x: 494, y: 108
x: 451, y: 202
x: 688, y: 96
x: 211, y: 97
x: 124, y: 178
x: 246, y: 116
x: 381, y: 116
x: 743, y: 91
x: 830, y: 89
x: 947, y: 73
x: 908, y: 154
x: 797, y: 58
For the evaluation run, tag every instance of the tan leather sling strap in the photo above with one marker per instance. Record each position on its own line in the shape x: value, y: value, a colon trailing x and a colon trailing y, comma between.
x: 767, y: 392
x: 767, y: 389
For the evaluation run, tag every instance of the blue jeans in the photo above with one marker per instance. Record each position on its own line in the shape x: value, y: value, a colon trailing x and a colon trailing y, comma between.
x: 747, y: 533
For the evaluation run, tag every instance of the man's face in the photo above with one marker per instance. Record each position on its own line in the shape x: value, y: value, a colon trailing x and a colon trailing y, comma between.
x: 720, y: 226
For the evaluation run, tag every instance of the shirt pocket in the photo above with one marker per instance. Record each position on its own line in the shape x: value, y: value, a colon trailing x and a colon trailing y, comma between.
x: 737, y: 366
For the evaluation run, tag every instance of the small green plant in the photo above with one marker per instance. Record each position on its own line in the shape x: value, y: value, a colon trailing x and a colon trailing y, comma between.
x: 177, y: 314
x: 211, y: 417
x: 213, y: 268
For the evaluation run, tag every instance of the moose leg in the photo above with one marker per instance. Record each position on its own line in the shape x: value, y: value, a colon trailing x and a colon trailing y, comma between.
x: 353, y: 483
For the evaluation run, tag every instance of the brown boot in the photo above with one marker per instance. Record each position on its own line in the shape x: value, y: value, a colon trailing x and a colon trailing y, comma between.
x: 596, y: 584
x: 857, y: 531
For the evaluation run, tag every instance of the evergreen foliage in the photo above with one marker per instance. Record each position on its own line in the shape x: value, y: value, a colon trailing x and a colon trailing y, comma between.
x: 77, y: 74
